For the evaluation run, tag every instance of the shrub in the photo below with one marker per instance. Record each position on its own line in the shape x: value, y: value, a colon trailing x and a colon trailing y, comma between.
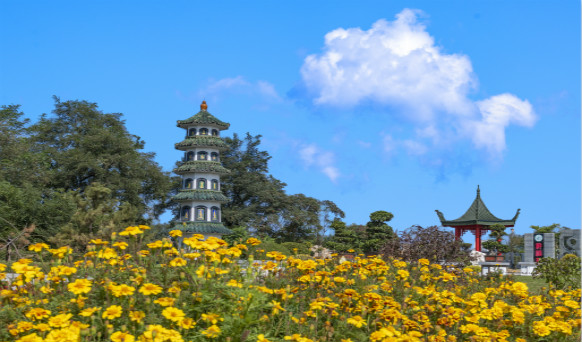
x: 561, y: 273
x: 302, y: 248
x: 429, y: 243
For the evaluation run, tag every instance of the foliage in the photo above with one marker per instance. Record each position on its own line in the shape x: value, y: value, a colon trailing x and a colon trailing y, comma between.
x: 495, y: 245
x: 344, y: 239
x: 377, y: 231
x: 553, y: 228
x: 431, y: 243
x: 258, y: 200
x: 561, y: 273
x: 75, y: 174
x: 297, y: 247
x: 127, y: 289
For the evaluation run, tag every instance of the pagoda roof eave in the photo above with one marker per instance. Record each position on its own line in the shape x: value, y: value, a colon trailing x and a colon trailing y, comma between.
x: 203, y: 117
x: 195, y: 166
x: 468, y: 224
x: 201, y: 141
x: 202, y: 227
x: 200, y: 195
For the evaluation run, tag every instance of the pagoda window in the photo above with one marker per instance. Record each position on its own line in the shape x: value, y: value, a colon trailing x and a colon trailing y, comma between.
x: 214, y: 184
x: 215, y: 214
x: 201, y: 213
x: 192, y: 132
x: 190, y: 156
x: 202, y: 155
x: 203, y: 131
x: 214, y: 156
x: 201, y: 183
x: 214, y: 132
x: 185, y: 216
x: 188, y: 183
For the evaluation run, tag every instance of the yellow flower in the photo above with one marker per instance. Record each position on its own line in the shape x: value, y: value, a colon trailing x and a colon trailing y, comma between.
x: 212, y: 318
x: 37, y: 314
x: 253, y: 242
x: 60, y: 321
x: 572, y: 304
x: 261, y: 338
x: 424, y: 262
x: 37, y: 247
x: 357, y: 321
x: 276, y: 307
x: 136, y: 316
x: 173, y: 314
x: 30, y: 338
x: 112, y: 312
x: 121, y: 245
x: 133, y: 230
x: 89, y: 311
x: 150, y: 289
x: 212, y: 332
x: 122, y: 290
x: 540, y: 329
x: 175, y: 233
x: 165, y: 301
x: 402, y: 274
x: 234, y: 283
x: 187, y: 323
x: 80, y: 286
x: 177, y: 262
x: 119, y: 336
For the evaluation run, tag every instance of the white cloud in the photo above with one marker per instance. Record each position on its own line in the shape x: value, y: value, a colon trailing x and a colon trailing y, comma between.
x: 397, y: 64
x: 497, y: 113
x: 312, y: 155
x: 240, y: 84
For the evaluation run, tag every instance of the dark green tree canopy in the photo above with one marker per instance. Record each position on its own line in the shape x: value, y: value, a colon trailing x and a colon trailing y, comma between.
x: 83, y: 145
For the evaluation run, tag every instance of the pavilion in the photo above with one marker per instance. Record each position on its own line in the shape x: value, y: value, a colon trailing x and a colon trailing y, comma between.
x: 476, y: 219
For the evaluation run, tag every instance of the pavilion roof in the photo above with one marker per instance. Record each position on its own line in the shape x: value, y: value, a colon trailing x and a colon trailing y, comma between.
x: 477, y: 214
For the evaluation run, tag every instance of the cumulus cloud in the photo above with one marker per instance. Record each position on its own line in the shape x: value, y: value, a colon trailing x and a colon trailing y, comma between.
x: 312, y: 155
x: 497, y: 113
x: 397, y: 64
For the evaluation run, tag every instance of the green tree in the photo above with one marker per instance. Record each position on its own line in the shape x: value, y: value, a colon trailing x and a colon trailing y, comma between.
x: 256, y: 198
x: 377, y: 231
x: 345, y: 238
x: 83, y: 145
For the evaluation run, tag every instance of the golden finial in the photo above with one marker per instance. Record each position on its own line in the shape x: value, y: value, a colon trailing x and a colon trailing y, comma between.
x: 203, y: 106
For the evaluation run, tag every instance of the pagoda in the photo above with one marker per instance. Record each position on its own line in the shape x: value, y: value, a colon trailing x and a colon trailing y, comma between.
x: 477, y: 219
x: 200, y: 196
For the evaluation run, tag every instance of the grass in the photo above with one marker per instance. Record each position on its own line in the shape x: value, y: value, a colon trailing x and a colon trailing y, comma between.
x: 535, y: 285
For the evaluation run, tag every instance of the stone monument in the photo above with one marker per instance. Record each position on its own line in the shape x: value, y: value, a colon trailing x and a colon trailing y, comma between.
x: 569, y: 242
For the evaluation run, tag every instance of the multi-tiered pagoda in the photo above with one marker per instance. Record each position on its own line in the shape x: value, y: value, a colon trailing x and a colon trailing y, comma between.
x: 200, y: 196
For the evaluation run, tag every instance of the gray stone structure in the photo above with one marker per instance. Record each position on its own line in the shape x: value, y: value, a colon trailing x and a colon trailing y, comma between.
x: 549, y: 249
x: 549, y: 246
x: 569, y: 242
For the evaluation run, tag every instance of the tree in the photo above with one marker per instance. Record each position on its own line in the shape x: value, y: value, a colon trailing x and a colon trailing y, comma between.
x: 258, y: 200
x: 83, y: 145
x: 345, y: 238
x: 377, y: 231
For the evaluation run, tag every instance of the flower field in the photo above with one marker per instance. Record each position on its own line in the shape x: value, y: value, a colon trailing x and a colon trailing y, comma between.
x: 128, y: 289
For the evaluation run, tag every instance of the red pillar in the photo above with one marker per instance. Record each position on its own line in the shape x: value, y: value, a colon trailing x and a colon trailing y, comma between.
x: 457, y: 233
x: 478, y: 238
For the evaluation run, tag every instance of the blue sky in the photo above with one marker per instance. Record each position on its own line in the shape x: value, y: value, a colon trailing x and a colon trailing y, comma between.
x: 404, y: 106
